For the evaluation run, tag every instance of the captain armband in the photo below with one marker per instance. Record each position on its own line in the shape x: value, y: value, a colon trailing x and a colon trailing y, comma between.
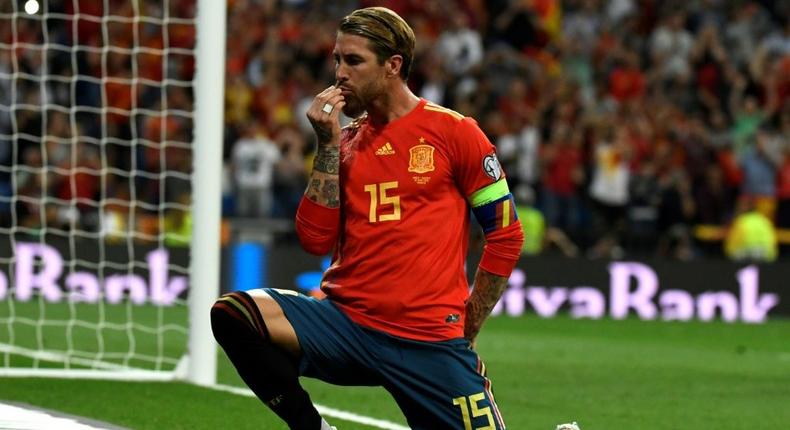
x: 493, y: 206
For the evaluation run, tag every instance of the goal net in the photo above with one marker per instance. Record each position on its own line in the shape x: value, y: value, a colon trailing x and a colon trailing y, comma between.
x: 97, y: 126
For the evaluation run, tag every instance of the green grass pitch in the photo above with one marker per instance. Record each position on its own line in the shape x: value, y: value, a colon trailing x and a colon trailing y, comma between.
x: 607, y: 375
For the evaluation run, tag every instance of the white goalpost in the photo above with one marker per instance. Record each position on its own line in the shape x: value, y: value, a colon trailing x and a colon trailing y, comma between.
x: 209, y: 103
x: 111, y: 128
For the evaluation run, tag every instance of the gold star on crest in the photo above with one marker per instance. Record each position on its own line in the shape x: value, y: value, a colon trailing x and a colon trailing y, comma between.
x: 422, y: 139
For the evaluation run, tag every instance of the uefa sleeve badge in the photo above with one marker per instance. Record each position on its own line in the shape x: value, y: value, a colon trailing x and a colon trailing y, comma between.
x: 491, y: 167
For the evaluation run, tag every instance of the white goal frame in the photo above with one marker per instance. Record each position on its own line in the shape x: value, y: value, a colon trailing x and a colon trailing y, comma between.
x: 206, y: 192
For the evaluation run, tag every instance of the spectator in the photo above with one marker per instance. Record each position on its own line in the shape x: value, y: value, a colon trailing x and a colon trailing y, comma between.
x: 759, y: 176
x: 627, y: 82
x: 751, y: 237
x: 671, y: 46
x: 254, y: 160
x: 709, y: 60
x: 642, y: 216
x: 675, y: 213
x: 563, y: 174
x: 750, y: 23
x: 609, y: 189
x: 712, y: 198
x: 459, y: 46
x: 778, y: 42
x: 291, y: 173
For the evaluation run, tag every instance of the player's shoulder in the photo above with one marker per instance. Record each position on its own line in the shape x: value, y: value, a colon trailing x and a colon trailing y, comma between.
x: 453, y: 122
x: 438, y: 112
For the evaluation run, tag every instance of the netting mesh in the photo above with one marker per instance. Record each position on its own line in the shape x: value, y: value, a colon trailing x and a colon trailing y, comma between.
x: 96, y: 119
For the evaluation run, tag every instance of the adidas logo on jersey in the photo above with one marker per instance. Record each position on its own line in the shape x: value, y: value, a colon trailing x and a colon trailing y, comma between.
x: 385, y: 149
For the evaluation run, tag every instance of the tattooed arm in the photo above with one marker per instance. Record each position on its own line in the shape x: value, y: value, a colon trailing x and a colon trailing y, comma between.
x: 324, y: 185
x: 487, y: 290
x: 318, y: 216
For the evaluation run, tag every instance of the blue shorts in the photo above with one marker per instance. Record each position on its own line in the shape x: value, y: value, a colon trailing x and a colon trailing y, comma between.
x: 437, y: 385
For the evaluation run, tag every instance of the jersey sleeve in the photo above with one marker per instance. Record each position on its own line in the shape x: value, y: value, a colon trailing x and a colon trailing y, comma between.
x: 481, y: 179
x: 475, y: 162
x: 317, y: 226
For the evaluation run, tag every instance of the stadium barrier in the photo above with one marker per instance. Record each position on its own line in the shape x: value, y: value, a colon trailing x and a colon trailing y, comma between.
x: 649, y: 289
x: 706, y: 290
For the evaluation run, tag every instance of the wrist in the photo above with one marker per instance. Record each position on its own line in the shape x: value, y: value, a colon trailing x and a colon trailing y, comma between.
x: 333, y: 142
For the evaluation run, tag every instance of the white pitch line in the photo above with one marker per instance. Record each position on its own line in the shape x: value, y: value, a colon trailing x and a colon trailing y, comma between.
x: 324, y: 410
x: 17, y: 417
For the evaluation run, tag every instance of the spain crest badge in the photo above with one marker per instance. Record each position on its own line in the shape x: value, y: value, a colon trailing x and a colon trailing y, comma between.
x: 421, y: 158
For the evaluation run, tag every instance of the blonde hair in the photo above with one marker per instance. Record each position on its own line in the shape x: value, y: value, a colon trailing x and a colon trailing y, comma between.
x: 387, y: 32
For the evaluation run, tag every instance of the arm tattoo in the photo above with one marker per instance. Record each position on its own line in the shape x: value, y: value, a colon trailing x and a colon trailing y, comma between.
x: 487, y: 290
x: 324, y: 187
x: 327, y: 159
x: 312, y: 189
x: 330, y: 192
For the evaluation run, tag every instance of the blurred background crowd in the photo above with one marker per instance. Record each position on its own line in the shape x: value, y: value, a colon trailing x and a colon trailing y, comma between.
x: 626, y: 127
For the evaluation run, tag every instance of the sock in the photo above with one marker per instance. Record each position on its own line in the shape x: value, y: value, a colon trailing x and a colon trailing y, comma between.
x: 268, y: 370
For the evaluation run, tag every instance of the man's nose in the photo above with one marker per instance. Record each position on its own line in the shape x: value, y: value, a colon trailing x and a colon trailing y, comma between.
x: 341, y: 73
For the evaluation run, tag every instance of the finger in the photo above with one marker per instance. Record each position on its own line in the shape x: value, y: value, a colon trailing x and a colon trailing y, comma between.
x: 333, y: 101
x: 328, y: 90
x: 318, y: 108
x: 337, y: 104
x: 329, y: 97
x: 335, y: 115
x: 328, y: 93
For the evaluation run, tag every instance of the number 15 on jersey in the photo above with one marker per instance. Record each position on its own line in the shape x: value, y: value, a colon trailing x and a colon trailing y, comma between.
x: 384, y: 206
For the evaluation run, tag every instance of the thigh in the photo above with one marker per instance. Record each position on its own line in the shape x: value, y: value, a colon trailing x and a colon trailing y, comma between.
x: 280, y: 330
x: 441, y: 386
x: 333, y: 348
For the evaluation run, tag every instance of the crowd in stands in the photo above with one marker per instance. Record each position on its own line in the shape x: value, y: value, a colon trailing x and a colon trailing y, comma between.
x: 96, y: 117
x: 628, y: 127
x: 625, y: 124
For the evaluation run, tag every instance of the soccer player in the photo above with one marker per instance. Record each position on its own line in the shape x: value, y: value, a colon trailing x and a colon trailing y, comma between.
x: 390, y: 196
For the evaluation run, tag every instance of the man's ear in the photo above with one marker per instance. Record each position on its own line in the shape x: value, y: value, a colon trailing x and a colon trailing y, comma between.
x: 393, y: 64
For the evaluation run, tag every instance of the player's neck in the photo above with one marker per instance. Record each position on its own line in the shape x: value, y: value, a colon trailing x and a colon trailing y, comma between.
x: 397, y: 102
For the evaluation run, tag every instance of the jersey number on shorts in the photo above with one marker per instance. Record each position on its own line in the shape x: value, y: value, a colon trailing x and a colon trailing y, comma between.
x: 383, y: 207
x: 465, y: 402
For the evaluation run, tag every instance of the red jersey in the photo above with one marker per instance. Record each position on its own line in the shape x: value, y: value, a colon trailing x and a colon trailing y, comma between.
x: 398, y: 263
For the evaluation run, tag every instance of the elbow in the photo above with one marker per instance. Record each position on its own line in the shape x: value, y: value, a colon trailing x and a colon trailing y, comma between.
x: 313, y: 243
x: 508, y: 239
x: 502, y: 250
x: 317, y: 227
x: 314, y: 248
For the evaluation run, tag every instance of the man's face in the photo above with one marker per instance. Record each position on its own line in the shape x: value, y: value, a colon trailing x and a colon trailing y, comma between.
x: 358, y: 73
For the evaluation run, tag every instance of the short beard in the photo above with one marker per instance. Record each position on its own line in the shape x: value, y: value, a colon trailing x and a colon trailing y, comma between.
x: 360, y: 100
x: 353, y: 108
